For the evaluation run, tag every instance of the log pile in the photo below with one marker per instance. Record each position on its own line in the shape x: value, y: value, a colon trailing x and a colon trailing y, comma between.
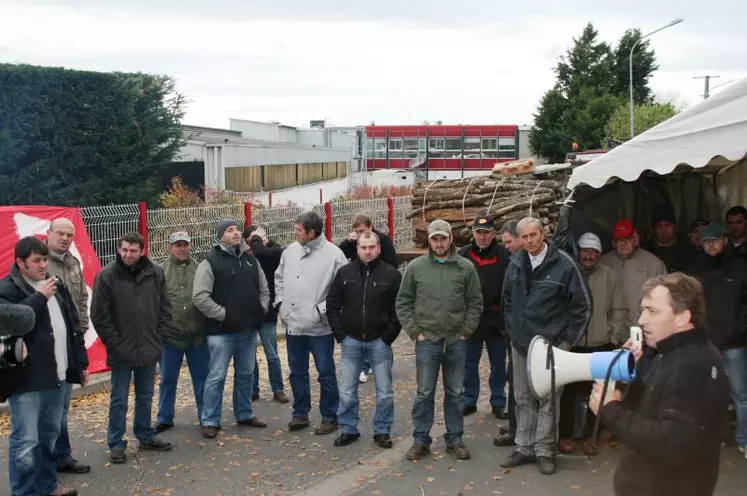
x: 502, y: 197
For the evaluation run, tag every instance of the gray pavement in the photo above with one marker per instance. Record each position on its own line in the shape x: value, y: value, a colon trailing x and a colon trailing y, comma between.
x: 243, y: 461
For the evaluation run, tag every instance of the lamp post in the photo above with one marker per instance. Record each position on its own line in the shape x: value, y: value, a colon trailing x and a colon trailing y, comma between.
x: 630, y: 62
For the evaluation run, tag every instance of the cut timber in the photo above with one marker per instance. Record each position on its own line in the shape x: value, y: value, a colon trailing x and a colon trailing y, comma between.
x: 514, y: 168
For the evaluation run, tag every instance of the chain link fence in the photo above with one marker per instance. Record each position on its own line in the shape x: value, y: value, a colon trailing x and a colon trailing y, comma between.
x: 106, y: 224
x: 343, y: 214
x: 403, y: 232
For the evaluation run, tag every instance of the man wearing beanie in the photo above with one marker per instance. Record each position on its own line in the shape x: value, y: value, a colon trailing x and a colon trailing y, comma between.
x: 665, y: 244
x: 230, y: 289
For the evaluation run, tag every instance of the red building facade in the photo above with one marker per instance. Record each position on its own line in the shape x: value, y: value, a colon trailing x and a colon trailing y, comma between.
x: 440, y: 148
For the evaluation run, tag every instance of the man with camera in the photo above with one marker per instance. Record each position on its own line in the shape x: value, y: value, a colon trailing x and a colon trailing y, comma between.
x: 56, y: 356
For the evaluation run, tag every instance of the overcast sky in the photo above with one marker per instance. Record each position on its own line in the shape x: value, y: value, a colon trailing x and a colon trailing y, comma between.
x: 352, y: 61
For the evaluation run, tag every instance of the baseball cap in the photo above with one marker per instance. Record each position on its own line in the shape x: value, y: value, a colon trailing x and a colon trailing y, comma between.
x: 590, y: 241
x: 439, y: 227
x: 179, y: 236
x: 624, y: 229
x: 698, y: 223
x: 712, y: 231
x: 483, y: 223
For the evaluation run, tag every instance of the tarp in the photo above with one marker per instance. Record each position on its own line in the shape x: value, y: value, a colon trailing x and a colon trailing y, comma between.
x: 21, y: 221
x: 712, y: 133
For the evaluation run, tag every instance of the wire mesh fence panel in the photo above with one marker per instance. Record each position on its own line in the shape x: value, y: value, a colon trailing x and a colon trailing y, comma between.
x: 403, y: 232
x: 106, y: 224
x: 279, y: 222
x: 200, y: 222
x: 343, y: 214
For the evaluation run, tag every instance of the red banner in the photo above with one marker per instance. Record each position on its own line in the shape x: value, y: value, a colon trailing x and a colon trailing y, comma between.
x: 19, y: 222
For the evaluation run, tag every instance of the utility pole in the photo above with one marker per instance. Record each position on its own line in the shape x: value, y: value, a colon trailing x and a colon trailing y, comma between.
x: 707, y: 86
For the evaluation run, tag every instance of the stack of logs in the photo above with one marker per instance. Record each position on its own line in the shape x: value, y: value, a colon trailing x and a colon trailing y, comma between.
x: 504, y: 198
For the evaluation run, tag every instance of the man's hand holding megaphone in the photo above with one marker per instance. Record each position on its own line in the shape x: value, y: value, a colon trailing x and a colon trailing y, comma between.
x: 595, y: 399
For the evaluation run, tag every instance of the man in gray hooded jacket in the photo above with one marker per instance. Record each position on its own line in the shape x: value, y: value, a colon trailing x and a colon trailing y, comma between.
x: 302, y: 281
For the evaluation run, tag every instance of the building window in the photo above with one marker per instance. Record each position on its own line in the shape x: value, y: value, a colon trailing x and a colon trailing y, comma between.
x: 453, y: 147
x: 395, y: 147
x: 421, y: 144
x: 506, y: 147
x: 436, y: 148
x: 369, y: 146
x: 410, y: 147
x: 489, y: 148
x: 379, y: 148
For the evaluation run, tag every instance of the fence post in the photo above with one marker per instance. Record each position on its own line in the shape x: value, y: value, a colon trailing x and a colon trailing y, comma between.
x: 390, y: 216
x: 247, y: 214
x: 321, y: 195
x: 327, y: 220
x: 143, y: 224
x: 269, y: 198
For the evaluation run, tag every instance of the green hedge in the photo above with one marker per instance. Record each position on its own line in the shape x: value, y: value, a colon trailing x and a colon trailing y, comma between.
x: 84, y: 138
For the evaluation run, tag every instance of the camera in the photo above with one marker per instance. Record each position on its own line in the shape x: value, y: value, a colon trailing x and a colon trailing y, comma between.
x: 12, y: 351
x: 15, y: 322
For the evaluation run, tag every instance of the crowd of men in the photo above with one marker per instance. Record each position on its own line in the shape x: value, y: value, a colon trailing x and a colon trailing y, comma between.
x: 493, y: 294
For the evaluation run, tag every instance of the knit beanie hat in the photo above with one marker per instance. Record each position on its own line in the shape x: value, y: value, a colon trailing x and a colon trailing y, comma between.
x: 223, y: 225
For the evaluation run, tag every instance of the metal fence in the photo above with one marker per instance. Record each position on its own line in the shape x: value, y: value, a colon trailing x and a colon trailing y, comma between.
x: 279, y: 221
x: 343, y: 214
x: 403, y: 232
x: 106, y: 224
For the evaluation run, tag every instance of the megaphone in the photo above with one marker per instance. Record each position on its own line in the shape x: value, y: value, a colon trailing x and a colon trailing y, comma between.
x: 574, y: 367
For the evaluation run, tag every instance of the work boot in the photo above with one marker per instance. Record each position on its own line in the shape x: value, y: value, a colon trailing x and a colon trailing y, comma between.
x: 63, y: 491
x: 459, y: 450
x: 118, y: 456
x: 73, y: 467
x: 209, y: 431
x: 281, y: 397
x: 499, y: 413
x: 546, y: 465
x: 252, y: 422
x: 160, y: 427
x: 326, y: 427
x: 383, y: 440
x: 504, y: 439
x: 255, y: 396
x: 156, y: 445
x: 469, y: 410
x: 566, y: 445
x: 590, y: 447
x: 298, y: 423
x: 346, y: 439
x: 517, y: 459
x: 417, y: 451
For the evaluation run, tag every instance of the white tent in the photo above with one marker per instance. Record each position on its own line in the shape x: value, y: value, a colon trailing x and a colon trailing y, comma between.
x: 711, y: 134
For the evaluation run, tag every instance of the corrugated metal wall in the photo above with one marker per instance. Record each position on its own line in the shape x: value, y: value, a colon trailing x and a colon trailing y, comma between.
x: 274, y: 177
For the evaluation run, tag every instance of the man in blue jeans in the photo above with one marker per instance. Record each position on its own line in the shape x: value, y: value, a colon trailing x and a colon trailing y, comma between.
x: 360, y: 309
x: 188, y: 336
x: 268, y: 253
x: 36, y: 391
x: 490, y: 259
x: 306, y: 271
x: 231, y: 291
x: 439, y: 305
x: 131, y: 313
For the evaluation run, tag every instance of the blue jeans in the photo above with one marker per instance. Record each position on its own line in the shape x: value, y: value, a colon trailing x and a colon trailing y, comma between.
x: 172, y: 356
x: 322, y: 348
x: 366, y: 366
x: 242, y: 347
x: 144, y: 377
x: 496, y: 346
x: 35, y: 424
x: 63, y: 452
x: 268, y: 333
x: 736, y: 368
x: 355, y: 353
x: 430, y: 356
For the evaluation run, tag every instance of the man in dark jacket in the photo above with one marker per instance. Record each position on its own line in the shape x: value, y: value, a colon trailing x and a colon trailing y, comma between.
x: 360, y: 309
x: 723, y: 274
x: 544, y: 294
x: 672, y: 421
x: 131, y: 313
x: 36, y: 391
x: 736, y: 224
x: 187, y: 338
x: 490, y: 259
x: 665, y: 243
x: 231, y: 291
x: 268, y: 254
x: 362, y: 223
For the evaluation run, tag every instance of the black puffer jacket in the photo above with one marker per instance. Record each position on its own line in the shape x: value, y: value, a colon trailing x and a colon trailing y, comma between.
x: 491, y: 264
x: 551, y: 301
x: 39, y: 372
x: 724, y: 280
x: 131, y: 312
x: 672, y: 424
x: 360, y: 302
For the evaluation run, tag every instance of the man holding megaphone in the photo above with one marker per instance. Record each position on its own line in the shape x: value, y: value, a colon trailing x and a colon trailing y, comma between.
x: 671, y: 421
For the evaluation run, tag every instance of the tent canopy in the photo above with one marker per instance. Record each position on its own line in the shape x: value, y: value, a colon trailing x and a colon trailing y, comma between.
x: 711, y: 135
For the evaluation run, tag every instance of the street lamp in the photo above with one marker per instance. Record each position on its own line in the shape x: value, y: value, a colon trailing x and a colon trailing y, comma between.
x: 630, y: 61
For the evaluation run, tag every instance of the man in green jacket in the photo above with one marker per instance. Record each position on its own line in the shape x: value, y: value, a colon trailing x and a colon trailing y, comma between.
x: 439, y: 306
x: 187, y: 338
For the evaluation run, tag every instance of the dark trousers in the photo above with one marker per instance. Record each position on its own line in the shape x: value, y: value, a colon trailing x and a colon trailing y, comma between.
x: 511, y: 398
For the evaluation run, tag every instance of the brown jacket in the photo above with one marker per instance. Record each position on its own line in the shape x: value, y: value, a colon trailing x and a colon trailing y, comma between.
x: 609, y: 313
x: 68, y: 269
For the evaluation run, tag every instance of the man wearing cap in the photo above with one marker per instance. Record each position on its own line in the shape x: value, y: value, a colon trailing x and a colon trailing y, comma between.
x: 231, y: 291
x: 544, y: 294
x: 695, y: 246
x: 188, y: 336
x: 723, y: 274
x: 439, y: 306
x: 490, y: 259
x: 606, y: 331
x: 633, y: 266
x: 665, y: 244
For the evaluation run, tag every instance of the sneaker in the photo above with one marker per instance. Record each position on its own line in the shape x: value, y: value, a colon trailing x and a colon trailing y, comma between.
x: 346, y: 439
x: 516, y: 459
x: 459, y: 450
x: 63, y: 491
x: 504, y: 439
x: 156, y: 445
x: 281, y: 397
x: 209, y: 431
x: 253, y: 422
x: 417, y: 451
x: 363, y: 377
x: 469, y: 410
x: 326, y: 427
x: 162, y: 426
x: 383, y: 440
x: 546, y: 465
x: 298, y: 423
x: 118, y: 456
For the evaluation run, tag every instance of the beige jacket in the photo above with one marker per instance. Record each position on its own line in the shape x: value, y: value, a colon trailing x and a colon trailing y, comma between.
x: 609, y: 312
x: 633, y: 272
x: 67, y: 268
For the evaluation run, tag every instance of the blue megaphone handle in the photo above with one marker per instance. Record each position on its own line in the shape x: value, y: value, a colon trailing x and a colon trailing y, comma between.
x: 623, y: 370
